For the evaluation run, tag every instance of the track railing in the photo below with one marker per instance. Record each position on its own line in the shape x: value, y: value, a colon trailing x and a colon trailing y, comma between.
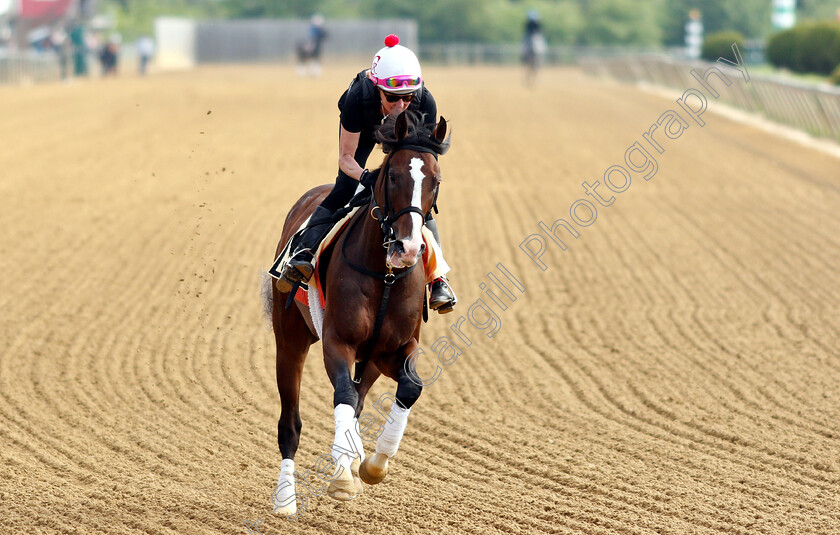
x: 815, y: 109
x: 18, y: 67
x: 507, y: 54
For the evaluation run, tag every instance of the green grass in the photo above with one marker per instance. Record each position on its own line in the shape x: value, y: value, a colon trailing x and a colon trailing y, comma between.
x: 808, y: 78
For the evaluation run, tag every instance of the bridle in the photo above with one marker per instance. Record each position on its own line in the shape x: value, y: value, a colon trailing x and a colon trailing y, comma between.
x: 386, y: 223
x: 387, y: 220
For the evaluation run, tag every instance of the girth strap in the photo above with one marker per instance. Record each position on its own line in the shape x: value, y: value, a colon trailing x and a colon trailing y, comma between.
x: 389, y: 279
x: 377, y: 326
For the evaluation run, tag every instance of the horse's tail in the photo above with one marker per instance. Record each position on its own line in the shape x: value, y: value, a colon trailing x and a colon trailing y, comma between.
x: 267, y: 298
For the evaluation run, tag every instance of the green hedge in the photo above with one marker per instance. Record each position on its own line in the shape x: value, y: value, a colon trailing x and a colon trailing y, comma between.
x: 719, y: 45
x: 835, y: 76
x: 813, y: 47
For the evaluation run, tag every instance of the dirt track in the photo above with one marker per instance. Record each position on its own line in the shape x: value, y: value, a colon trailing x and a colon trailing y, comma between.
x: 674, y: 371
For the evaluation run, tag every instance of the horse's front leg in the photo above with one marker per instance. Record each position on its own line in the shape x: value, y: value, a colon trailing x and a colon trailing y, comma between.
x: 375, y: 468
x: 347, y: 449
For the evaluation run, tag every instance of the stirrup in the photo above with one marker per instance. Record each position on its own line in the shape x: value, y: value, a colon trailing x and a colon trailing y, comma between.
x: 295, y: 270
x: 300, y: 271
x: 300, y: 266
x: 283, y: 284
x: 446, y: 300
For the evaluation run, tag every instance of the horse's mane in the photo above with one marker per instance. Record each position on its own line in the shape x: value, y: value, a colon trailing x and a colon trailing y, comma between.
x: 419, y: 133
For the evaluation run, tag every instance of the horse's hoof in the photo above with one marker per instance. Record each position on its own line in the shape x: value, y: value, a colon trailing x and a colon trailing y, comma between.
x: 374, y: 469
x: 354, y: 469
x: 286, y: 510
x: 343, y: 488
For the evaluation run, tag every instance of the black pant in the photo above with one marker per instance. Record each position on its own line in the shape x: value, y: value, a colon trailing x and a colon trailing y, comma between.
x: 341, y: 193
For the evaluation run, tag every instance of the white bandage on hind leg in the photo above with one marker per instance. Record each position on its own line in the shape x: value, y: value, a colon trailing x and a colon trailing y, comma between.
x: 389, y: 440
x: 347, y: 443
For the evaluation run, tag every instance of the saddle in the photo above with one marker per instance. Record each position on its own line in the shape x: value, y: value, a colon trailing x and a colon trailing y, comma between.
x: 312, y: 295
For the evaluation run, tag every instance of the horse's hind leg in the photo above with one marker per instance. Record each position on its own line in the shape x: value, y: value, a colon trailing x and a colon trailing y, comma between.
x: 293, y: 339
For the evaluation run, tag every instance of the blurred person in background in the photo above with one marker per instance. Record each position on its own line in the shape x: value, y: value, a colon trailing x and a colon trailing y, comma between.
x: 5, y: 36
x: 109, y: 55
x: 533, y: 47
x: 145, y: 50
x: 391, y: 85
x: 61, y: 44
x: 309, y: 51
x: 80, y: 49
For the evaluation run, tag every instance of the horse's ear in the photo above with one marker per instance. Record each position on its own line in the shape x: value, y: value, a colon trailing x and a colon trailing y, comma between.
x: 401, y: 126
x: 440, y: 130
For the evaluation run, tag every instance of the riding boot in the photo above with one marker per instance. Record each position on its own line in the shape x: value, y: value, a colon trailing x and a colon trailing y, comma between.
x: 300, y: 267
x: 441, y: 296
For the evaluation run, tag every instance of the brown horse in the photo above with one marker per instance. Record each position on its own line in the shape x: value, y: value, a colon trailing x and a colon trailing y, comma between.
x: 374, y: 306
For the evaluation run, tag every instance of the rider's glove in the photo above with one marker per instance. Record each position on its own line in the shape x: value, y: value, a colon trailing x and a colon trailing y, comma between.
x: 368, y: 178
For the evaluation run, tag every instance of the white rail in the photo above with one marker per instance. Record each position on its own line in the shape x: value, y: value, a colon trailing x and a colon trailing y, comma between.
x: 815, y: 109
x: 28, y: 67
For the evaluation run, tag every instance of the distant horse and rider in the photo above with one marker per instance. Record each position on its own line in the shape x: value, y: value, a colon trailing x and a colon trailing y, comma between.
x: 534, y: 47
x: 309, y: 50
x: 374, y: 305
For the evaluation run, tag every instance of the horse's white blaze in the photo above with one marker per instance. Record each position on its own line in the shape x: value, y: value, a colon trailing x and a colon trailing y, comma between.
x: 416, y: 168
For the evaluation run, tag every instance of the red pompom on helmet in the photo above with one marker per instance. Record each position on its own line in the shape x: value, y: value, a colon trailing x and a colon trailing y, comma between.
x: 395, y: 68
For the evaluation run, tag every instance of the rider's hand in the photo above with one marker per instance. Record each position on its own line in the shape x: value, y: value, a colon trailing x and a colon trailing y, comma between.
x: 368, y: 178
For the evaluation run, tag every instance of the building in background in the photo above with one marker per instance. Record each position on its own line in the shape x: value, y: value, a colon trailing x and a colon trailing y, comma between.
x: 184, y: 43
x: 694, y: 34
x: 25, y: 21
x: 784, y: 14
x: 5, y: 23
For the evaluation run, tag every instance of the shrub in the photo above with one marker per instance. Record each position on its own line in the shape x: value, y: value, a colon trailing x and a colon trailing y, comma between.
x: 719, y: 45
x: 822, y: 48
x: 813, y: 47
x: 835, y: 76
x: 780, y: 49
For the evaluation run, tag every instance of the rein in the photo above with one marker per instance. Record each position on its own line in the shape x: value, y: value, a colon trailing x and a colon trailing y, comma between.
x: 385, y: 226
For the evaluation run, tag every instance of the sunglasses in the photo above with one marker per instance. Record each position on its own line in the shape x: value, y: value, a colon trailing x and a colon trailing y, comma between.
x: 397, y: 81
x: 391, y: 97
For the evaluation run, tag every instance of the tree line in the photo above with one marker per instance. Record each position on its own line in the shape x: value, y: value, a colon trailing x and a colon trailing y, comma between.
x: 572, y: 22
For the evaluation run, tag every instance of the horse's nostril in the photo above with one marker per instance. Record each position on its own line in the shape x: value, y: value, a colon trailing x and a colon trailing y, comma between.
x: 399, y: 248
x: 422, y: 248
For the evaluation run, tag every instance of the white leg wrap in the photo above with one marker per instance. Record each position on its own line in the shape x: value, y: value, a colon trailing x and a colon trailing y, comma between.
x: 389, y: 440
x: 284, y: 494
x: 347, y: 443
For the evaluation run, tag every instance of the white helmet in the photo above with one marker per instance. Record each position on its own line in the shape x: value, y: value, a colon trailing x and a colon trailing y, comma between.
x: 395, y: 68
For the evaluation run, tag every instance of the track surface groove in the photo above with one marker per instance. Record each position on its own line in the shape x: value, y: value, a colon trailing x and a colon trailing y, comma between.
x: 674, y: 370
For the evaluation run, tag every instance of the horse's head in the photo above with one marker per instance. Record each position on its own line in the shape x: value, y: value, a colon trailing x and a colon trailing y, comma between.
x: 408, y: 184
